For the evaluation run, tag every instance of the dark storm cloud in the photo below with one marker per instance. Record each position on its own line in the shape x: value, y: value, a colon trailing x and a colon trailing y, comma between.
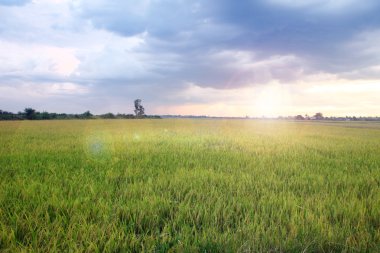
x: 315, y: 32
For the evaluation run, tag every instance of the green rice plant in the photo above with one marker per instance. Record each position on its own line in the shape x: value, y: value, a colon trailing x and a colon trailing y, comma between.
x: 189, y: 185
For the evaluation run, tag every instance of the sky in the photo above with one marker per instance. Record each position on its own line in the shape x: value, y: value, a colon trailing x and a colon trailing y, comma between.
x: 198, y: 57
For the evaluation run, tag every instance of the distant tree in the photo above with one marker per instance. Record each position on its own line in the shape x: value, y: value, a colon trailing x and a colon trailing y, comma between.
x: 63, y: 116
x: 87, y: 115
x: 30, y: 113
x: 4, y: 115
x: 129, y: 116
x: 53, y: 115
x: 318, y: 116
x: 153, y: 117
x: 45, y: 115
x: 108, y: 116
x: 139, y: 109
x: 299, y: 117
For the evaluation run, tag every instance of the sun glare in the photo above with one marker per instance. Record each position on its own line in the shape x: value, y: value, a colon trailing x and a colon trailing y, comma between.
x: 269, y: 102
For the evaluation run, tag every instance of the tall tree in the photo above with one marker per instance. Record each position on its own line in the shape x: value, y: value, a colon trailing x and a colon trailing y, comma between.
x: 139, y: 109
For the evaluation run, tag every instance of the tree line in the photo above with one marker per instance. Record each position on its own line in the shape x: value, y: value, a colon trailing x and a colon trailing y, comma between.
x: 319, y: 116
x: 32, y: 114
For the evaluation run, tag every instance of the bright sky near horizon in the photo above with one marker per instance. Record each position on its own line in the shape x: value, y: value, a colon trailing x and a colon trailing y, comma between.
x: 215, y: 57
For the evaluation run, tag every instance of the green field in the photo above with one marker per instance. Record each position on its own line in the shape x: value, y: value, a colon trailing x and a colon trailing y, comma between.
x: 189, y: 186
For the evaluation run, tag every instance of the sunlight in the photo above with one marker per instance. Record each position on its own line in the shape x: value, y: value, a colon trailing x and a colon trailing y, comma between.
x: 269, y: 102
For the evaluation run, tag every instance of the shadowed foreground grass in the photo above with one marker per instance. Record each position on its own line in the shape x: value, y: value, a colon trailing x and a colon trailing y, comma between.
x: 189, y: 185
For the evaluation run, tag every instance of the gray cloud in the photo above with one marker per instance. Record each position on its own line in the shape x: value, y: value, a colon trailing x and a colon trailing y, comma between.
x: 315, y: 30
x: 126, y: 49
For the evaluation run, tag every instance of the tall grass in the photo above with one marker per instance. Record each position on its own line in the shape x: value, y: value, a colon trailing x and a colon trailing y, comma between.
x: 189, y: 185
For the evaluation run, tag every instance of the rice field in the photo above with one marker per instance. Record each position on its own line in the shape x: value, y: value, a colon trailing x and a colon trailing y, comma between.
x: 183, y: 185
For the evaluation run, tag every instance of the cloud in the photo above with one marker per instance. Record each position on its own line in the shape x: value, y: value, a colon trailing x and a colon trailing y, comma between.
x: 113, y: 52
x: 327, y: 6
x: 25, y: 59
x: 230, y: 69
x: 13, y: 2
x: 202, y: 27
x: 137, y: 16
x: 332, y: 96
